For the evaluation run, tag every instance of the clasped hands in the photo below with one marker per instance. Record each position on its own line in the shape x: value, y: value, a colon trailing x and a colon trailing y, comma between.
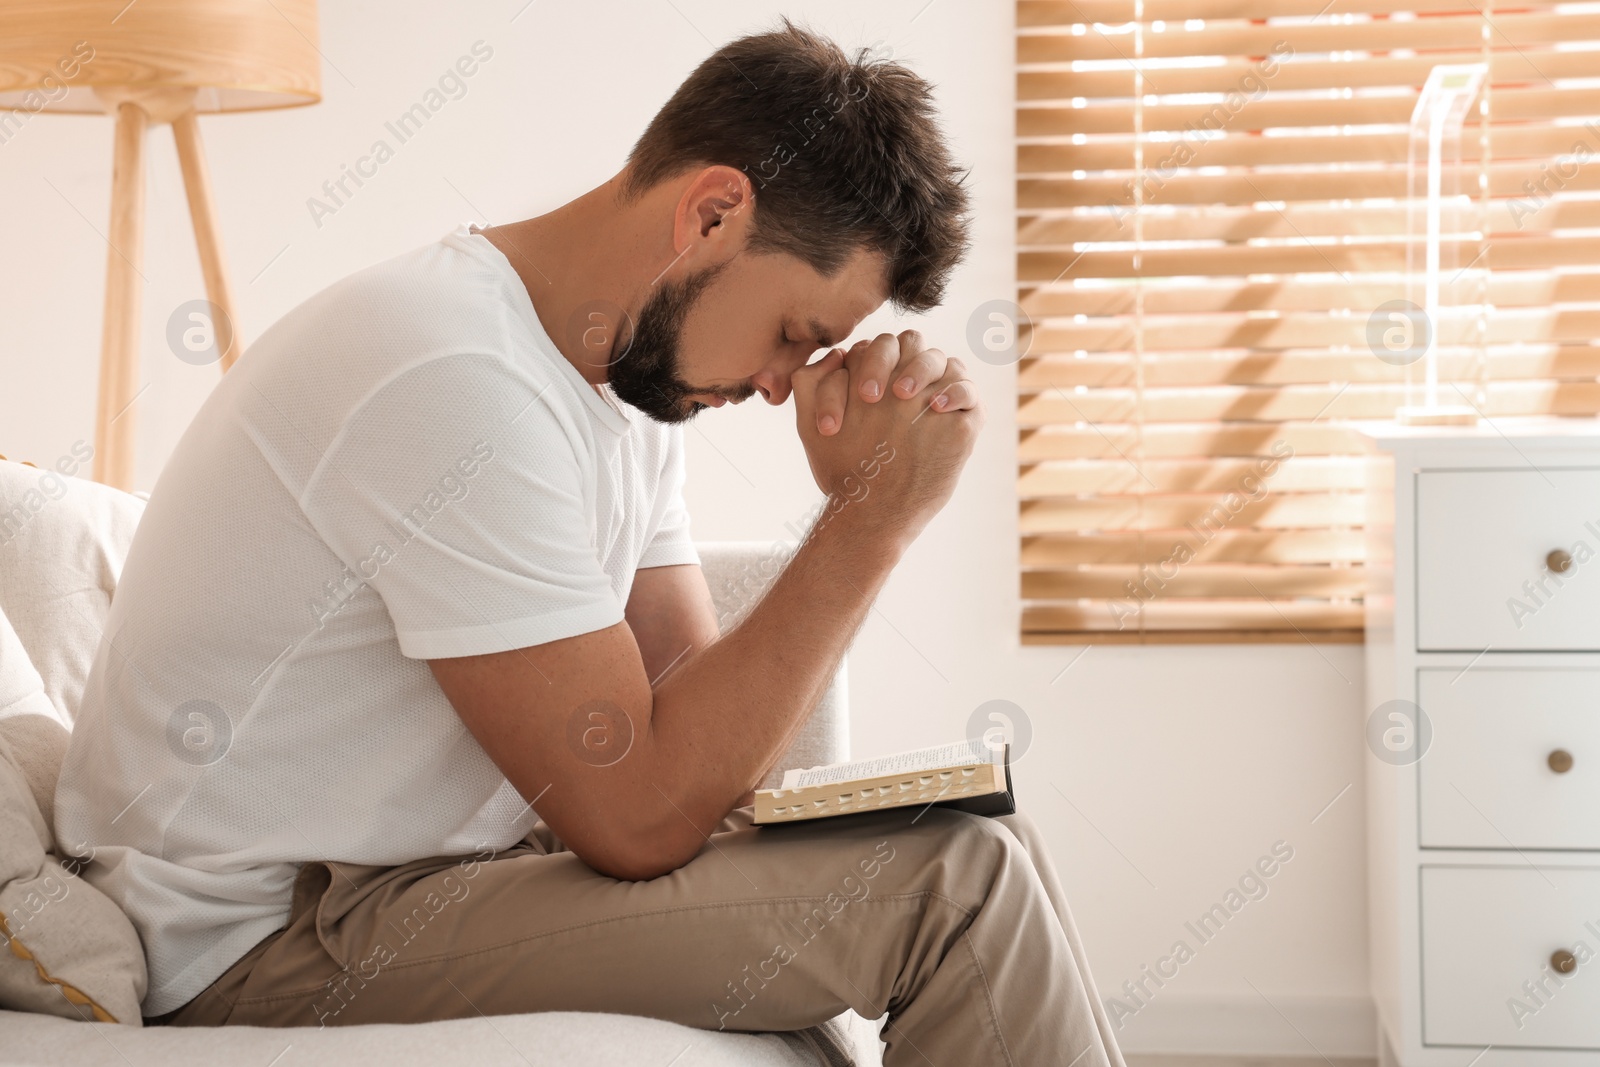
x: 864, y: 372
x: 859, y: 405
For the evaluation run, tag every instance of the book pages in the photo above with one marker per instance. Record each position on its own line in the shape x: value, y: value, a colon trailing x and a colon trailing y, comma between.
x: 957, y: 754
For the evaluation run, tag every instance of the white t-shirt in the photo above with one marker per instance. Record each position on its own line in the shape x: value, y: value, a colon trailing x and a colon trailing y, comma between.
x: 404, y: 467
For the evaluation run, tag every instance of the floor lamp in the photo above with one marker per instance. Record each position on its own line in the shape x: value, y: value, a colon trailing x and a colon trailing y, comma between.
x: 152, y: 62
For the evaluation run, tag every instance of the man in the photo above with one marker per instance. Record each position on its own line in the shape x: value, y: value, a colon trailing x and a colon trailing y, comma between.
x: 413, y: 704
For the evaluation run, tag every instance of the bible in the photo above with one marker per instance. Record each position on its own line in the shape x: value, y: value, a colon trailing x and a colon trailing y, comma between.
x: 972, y: 776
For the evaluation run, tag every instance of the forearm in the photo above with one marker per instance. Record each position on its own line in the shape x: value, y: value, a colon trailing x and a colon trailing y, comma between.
x: 726, y: 714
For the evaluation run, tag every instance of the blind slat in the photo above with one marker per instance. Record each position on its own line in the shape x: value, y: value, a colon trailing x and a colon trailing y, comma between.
x: 1332, y: 401
x: 1506, y: 288
x: 1293, y: 368
x: 1461, y: 30
x: 1540, y: 142
x: 1259, y: 614
x: 1507, y: 254
x: 1300, y: 75
x: 1053, y: 478
x: 1213, y: 512
x: 1529, y: 102
x: 1225, y: 546
x: 1103, y: 441
x: 1194, y: 580
x: 1184, y: 188
x: 1507, y: 215
x: 1056, y: 13
x: 1305, y: 330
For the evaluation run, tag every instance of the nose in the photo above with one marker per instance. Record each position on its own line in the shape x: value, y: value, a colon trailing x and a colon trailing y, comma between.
x: 775, y: 387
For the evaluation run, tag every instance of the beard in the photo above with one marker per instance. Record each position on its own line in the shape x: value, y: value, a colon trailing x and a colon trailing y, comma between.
x: 644, y: 371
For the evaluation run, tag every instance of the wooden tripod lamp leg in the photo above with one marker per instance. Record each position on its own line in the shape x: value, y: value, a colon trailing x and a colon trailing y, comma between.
x: 115, y: 419
x: 197, y: 184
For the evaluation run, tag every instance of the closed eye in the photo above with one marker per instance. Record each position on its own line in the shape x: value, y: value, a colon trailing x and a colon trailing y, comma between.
x: 817, y: 340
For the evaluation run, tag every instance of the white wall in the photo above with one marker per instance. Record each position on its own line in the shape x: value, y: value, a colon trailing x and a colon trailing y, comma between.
x: 1158, y: 774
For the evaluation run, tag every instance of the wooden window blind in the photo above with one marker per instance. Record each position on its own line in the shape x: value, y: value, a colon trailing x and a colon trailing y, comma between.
x: 1211, y: 209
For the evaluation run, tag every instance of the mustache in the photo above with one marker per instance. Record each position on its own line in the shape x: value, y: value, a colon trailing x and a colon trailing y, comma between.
x: 733, y: 394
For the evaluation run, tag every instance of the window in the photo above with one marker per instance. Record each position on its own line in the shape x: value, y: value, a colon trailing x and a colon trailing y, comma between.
x: 1211, y: 217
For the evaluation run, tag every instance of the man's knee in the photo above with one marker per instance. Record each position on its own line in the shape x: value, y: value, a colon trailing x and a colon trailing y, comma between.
x: 971, y: 843
x: 963, y: 825
x: 1024, y: 830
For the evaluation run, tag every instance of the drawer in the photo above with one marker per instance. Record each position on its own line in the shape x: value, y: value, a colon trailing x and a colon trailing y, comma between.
x: 1488, y: 930
x: 1483, y: 540
x: 1488, y: 777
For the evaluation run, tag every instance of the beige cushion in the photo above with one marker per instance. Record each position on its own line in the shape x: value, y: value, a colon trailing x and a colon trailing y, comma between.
x: 73, y: 535
x: 69, y: 951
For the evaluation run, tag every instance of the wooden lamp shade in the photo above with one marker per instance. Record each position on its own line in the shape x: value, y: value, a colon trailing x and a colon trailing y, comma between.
x: 237, y: 55
x: 154, y: 62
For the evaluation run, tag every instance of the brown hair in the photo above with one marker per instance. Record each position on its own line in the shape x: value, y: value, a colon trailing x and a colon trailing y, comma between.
x: 843, y: 154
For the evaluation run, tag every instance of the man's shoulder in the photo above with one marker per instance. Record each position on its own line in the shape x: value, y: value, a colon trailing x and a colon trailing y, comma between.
x: 438, y: 306
x: 439, y: 287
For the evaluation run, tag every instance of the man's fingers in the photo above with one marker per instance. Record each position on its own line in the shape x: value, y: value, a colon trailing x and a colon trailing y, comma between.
x: 870, y: 368
x: 804, y: 382
x: 831, y: 398
x: 871, y: 364
x: 901, y: 363
x: 958, y: 395
x: 953, y: 392
x: 918, y: 370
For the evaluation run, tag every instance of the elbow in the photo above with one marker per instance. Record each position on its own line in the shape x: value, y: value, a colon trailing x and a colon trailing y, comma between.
x: 629, y: 868
x: 639, y: 854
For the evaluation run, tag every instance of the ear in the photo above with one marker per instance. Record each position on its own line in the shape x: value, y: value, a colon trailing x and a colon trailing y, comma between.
x: 713, y: 215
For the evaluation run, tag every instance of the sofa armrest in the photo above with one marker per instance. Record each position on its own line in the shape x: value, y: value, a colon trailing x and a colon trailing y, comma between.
x: 738, y: 573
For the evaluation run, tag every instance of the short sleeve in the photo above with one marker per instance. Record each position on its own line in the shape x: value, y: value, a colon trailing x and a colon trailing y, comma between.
x: 461, y: 492
x: 670, y: 543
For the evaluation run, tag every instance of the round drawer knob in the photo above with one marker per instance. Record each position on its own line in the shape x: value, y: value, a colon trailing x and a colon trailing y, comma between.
x: 1560, y: 761
x: 1559, y: 561
x: 1563, y: 961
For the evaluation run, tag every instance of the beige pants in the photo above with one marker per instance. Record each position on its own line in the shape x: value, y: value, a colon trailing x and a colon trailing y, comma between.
x: 952, y: 924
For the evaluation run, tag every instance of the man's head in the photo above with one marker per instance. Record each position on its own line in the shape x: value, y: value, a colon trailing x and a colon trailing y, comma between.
x: 806, y: 187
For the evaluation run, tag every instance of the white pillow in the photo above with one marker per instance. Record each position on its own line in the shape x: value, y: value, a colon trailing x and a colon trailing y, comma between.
x: 31, y: 724
x: 63, y: 540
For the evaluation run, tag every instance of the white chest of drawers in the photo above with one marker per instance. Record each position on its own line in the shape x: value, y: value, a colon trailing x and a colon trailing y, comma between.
x: 1483, y: 783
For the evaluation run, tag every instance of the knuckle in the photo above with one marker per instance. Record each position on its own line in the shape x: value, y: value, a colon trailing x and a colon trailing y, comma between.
x: 934, y: 360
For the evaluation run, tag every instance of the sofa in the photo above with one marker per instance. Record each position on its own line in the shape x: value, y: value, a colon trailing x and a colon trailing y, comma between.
x: 71, y: 983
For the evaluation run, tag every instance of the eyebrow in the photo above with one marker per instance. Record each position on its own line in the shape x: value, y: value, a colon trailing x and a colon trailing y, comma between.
x: 820, y: 334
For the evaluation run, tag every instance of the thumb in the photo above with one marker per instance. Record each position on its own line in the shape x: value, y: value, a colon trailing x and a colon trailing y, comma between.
x: 804, y: 383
